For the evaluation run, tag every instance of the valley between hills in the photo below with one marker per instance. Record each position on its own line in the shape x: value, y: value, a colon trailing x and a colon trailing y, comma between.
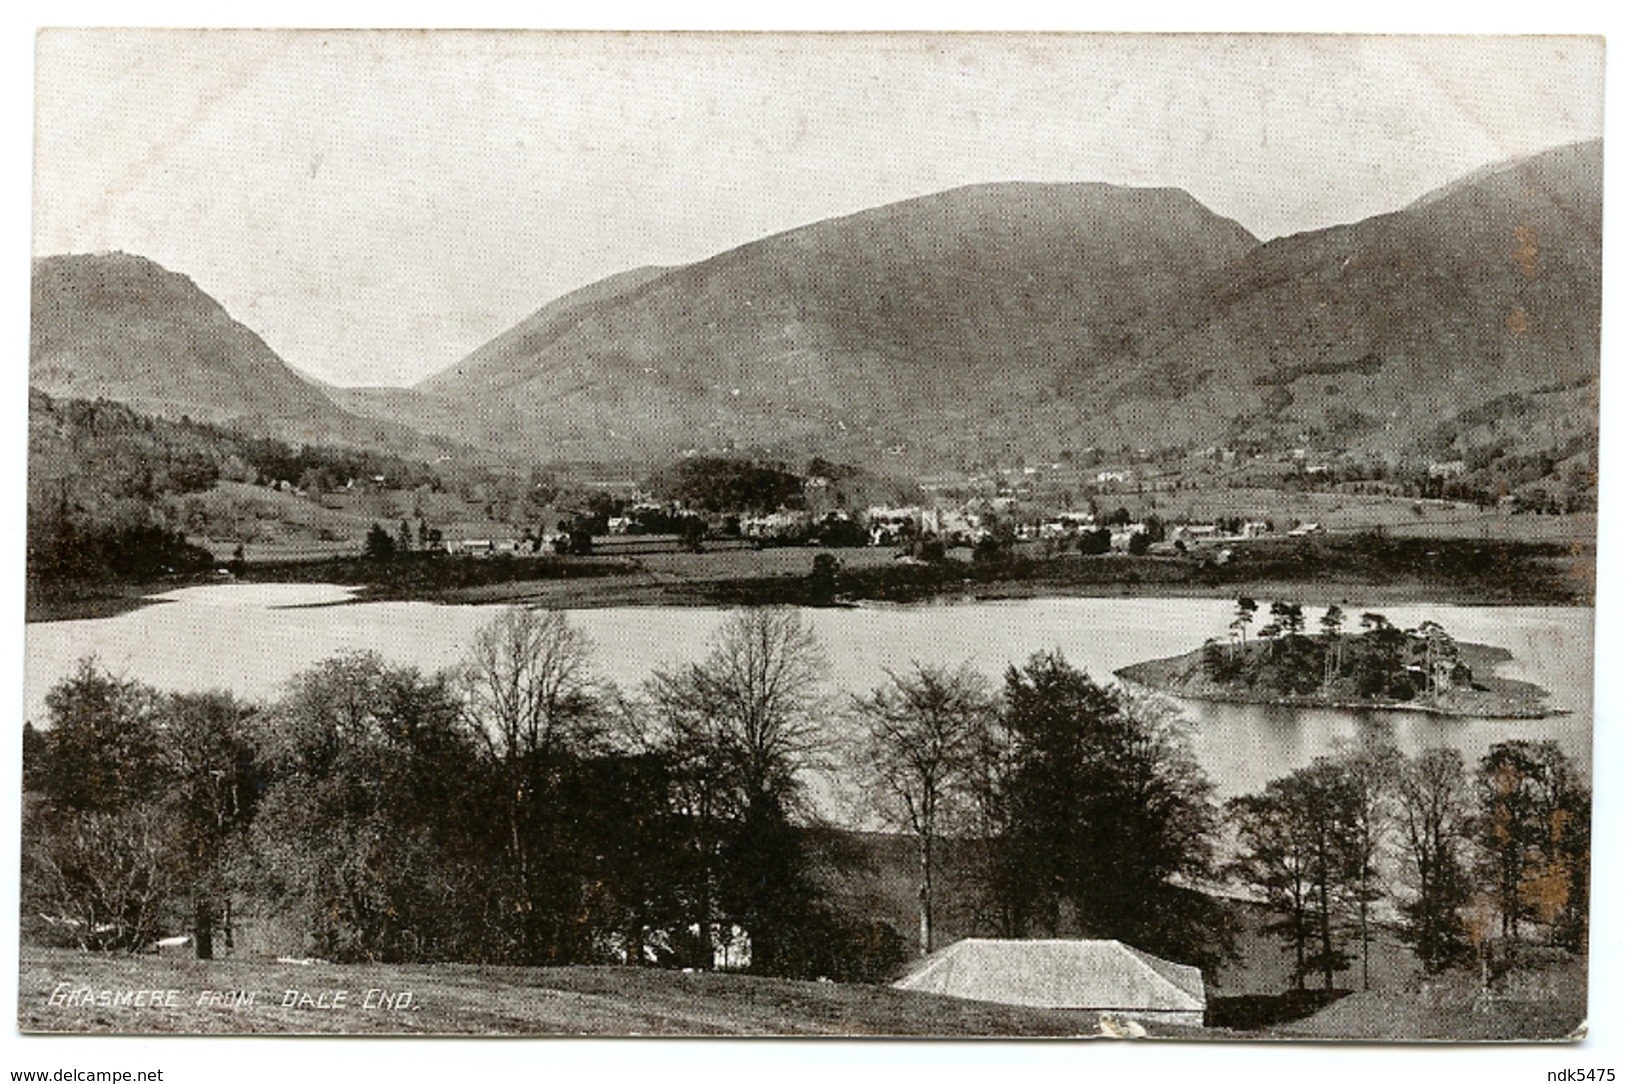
x: 995, y: 387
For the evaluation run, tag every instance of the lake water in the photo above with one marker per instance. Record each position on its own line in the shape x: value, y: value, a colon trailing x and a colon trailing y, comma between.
x: 250, y: 638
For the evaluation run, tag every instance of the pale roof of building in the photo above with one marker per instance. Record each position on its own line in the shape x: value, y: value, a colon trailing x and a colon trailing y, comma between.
x: 1059, y: 974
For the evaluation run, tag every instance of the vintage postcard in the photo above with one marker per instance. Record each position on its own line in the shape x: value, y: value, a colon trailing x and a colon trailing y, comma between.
x: 930, y: 535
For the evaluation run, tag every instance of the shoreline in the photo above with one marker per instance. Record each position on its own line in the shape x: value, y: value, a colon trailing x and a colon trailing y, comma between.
x: 614, y: 592
x: 1415, y: 706
x: 779, y: 576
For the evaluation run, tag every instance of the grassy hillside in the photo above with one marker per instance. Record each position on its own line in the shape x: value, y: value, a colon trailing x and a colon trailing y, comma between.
x: 1543, y: 1001
x: 911, y: 325
x: 122, y: 327
x: 1539, y: 1001
x: 1002, y: 323
x: 1372, y: 336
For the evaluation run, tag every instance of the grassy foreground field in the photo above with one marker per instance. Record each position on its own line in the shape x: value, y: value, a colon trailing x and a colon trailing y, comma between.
x: 210, y: 997
x: 1539, y: 1004
x: 268, y: 998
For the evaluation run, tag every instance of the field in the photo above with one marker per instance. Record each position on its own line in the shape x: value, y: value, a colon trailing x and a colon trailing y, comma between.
x: 461, y: 999
x: 254, y: 997
x: 1351, y: 512
x: 1540, y: 1003
x: 279, y: 526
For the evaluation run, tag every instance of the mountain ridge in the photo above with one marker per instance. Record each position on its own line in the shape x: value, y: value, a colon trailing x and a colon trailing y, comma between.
x: 121, y: 326
x: 1005, y: 321
x: 788, y: 333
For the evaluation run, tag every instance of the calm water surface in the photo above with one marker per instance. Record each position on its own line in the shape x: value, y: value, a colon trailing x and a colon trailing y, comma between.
x: 251, y: 638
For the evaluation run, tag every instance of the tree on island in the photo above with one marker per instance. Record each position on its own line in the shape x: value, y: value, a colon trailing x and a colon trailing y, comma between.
x: 1288, y: 616
x: 1381, y: 663
x: 1331, y: 626
x: 1379, y: 667
x: 1374, y: 622
x: 1438, y: 654
x: 1246, y: 609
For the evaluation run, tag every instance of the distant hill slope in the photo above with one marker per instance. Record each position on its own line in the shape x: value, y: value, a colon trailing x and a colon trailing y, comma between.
x: 1373, y: 335
x: 984, y: 324
x: 490, y: 423
x: 909, y: 324
x: 1007, y: 320
x: 120, y: 327
x: 537, y: 330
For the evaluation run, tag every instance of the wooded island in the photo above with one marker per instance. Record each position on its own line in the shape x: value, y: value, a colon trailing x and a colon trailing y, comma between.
x: 1381, y: 666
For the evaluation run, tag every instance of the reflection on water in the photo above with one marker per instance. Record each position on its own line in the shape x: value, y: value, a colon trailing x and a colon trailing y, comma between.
x: 250, y: 638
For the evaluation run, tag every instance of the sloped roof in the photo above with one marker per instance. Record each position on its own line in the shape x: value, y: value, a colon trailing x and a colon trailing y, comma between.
x: 1059, y: 974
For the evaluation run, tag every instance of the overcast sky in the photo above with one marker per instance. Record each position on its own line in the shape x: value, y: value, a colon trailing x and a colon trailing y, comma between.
x: 376, y: 205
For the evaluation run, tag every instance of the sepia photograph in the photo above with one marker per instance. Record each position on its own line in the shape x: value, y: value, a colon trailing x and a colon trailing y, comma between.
x: 710, y: 534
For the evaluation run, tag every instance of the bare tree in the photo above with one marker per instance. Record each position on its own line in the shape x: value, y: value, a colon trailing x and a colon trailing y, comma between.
x: 1300, y: 843
x: 1370, y: 769
x: 529, y: 695
x: 754, y: 700
x: 742, y: 727
x: 528, y: 686
x: 921, y: 733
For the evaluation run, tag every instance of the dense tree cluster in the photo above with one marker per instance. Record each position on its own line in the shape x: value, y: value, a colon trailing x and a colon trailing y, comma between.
x: 137, y: 805
x: 1465, y: 860
x: 1103, y: 820
x: 729, y: 484
x: 1081, y: 807
x: 518, y: 809
x: 513, y: 810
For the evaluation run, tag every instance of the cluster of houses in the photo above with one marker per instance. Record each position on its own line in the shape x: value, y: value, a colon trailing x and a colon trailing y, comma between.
x: 893, y: 525
x: 492, y: 547
x: 901, y: 525
x: 548, y: 542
